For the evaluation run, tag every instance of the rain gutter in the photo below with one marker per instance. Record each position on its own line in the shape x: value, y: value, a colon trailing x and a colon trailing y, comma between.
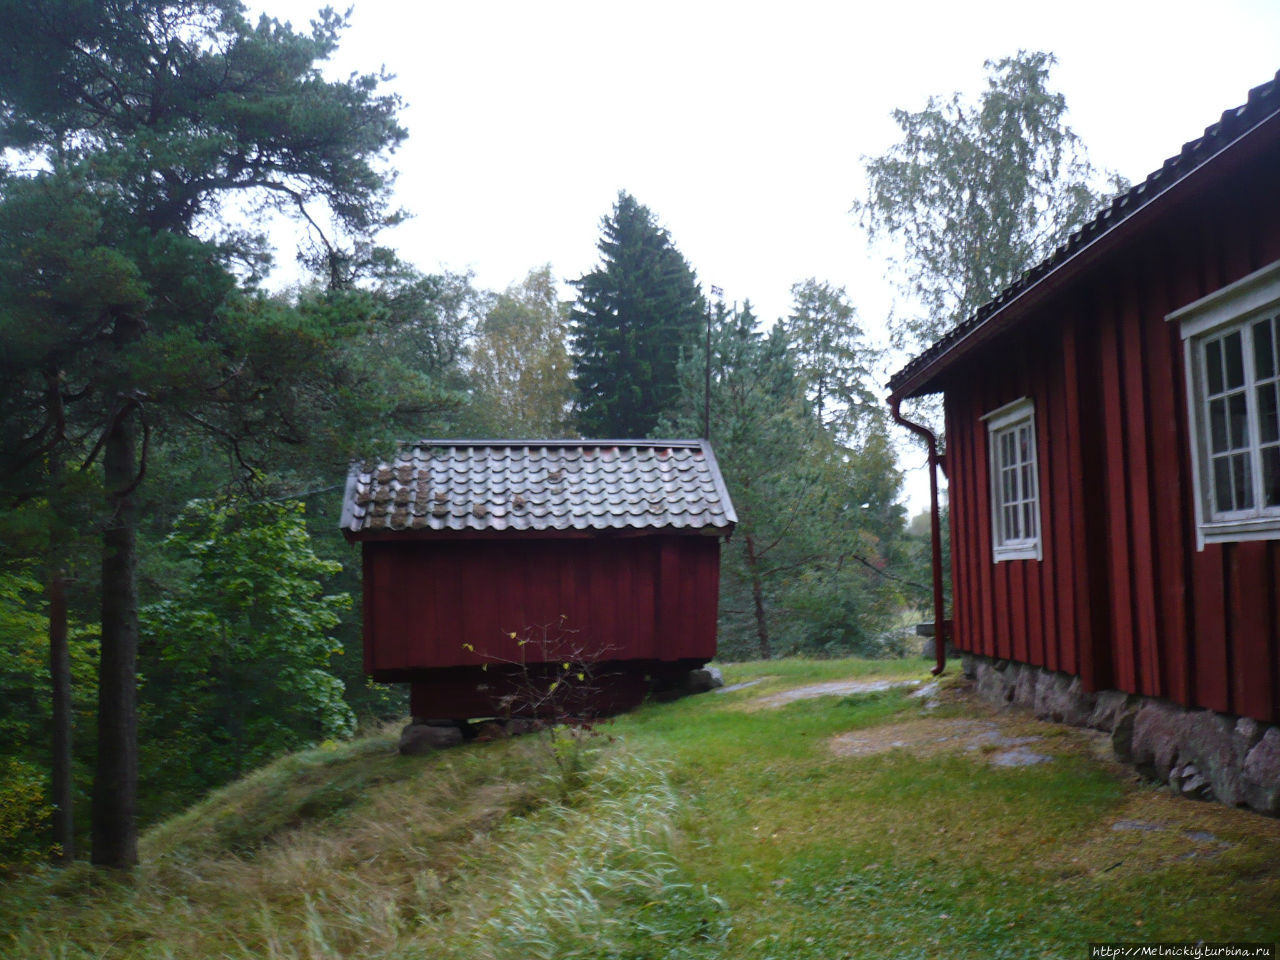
x: 936, y: 461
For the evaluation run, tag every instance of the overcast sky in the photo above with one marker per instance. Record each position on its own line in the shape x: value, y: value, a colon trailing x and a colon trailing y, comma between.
x: 742, y: 125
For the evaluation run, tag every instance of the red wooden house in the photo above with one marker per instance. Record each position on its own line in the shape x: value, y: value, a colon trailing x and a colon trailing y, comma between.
x: 486, y: 561
x: 1113, y: 440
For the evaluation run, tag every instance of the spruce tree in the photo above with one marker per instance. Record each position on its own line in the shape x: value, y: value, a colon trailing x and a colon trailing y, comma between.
x: 635, y: 314
x: 833, y: 359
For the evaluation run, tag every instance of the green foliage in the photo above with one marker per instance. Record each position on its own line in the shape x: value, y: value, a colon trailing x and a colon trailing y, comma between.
x: 833, y: 358
x: 175, y: 108
x: 237, y: 659
x: 519, y: 364
x: 976, y: 194
x: 116, y: 280
x: 802, y: 570
x: 25, y: 711
x: 152, y: 124
x: 24, y: 815
x: 635, y: 315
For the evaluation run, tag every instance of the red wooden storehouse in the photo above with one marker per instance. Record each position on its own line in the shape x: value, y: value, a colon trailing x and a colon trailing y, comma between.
x: 486, y: 562
x: 1113, y: 438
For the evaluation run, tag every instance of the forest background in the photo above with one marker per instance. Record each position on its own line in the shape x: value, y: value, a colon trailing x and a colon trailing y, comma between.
x: 175, y: 602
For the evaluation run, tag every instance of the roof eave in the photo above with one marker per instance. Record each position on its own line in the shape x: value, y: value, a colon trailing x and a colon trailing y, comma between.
x: 717, y: 478
x: 347, y: 524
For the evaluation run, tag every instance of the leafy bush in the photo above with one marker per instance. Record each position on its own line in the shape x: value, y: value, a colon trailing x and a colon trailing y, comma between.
x: 24, y: 815
x: 236, y: 659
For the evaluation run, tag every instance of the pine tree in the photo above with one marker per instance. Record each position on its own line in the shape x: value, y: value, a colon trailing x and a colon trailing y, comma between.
x: 136, y: 123
x: 762, y: 433
x: 803, y: 570
x: 635, y: 315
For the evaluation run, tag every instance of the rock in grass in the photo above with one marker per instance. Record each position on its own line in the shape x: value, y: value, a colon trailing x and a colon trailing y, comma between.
x: 700, y: 681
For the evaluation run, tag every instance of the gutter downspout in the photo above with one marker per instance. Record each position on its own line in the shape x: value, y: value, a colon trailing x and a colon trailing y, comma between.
x: 935, y: 529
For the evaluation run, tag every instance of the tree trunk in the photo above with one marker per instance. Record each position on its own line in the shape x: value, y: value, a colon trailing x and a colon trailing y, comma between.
x: 757, y: 597
x: 64, y: 832
x: 115, y: 788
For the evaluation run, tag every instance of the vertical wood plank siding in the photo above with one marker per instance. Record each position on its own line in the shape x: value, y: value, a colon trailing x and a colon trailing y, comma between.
x: 1122, y: 596
x: 632, y: 598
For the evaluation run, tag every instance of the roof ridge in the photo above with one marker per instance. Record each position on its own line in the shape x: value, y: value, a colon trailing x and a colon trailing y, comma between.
x: 479, y: 442
x: 449, y: 487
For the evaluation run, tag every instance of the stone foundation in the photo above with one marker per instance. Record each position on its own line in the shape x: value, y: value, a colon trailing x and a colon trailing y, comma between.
x: 1199, y: 753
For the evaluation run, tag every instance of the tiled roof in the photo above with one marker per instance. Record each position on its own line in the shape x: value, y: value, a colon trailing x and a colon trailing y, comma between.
x: 495, y: 485
x: 1262, y: 104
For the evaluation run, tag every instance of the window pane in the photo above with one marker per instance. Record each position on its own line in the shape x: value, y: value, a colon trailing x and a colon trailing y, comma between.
x: 1242, y: 479
x: 1222, y: 485
x: 1233, y: 352
x: 1271, y: 476
x: 1238, y: 418
x: 1263, y: 351
x: 1217, y: 425
x: 1268, y: 415
x: 1013, y: 484
x: 1213, y: 365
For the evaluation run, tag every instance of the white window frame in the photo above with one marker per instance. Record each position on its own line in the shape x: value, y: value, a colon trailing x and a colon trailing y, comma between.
x: 1236, y: 307
x: 1006, y: 422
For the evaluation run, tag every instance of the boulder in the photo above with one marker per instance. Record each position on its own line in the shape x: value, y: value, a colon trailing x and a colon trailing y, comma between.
x: 1122, y: 734
x: 1158, y: 731
x: 1260, y: 777
x: 1024, y: 685
x: 700, y: 681
x: 1062, y: 698
x: 995, y: 681
x: 1209, y: 746
x: 1188, y: 781
x: 1108, y: 707
x: 1248, y: 733
x: 418, y: 738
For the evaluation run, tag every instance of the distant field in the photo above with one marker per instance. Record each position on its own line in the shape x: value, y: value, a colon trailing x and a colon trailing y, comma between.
x: 740, y: 824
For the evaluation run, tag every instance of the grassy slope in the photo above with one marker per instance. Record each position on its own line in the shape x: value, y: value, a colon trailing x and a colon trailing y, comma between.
x: 702, y: 828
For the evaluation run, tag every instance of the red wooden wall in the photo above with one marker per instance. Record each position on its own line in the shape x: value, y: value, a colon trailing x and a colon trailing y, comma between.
x: 619, y: 598
x: 1122, y: 596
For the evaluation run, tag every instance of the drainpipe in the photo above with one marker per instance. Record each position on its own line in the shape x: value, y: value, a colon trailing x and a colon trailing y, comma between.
x: 935, y: 530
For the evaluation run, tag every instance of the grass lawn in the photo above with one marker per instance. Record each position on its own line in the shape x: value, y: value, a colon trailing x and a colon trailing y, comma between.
x: 716, y: 826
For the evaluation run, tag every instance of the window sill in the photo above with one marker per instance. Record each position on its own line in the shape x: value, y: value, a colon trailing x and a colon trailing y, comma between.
x: 1236, y: 531
x: 1025, y: 552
